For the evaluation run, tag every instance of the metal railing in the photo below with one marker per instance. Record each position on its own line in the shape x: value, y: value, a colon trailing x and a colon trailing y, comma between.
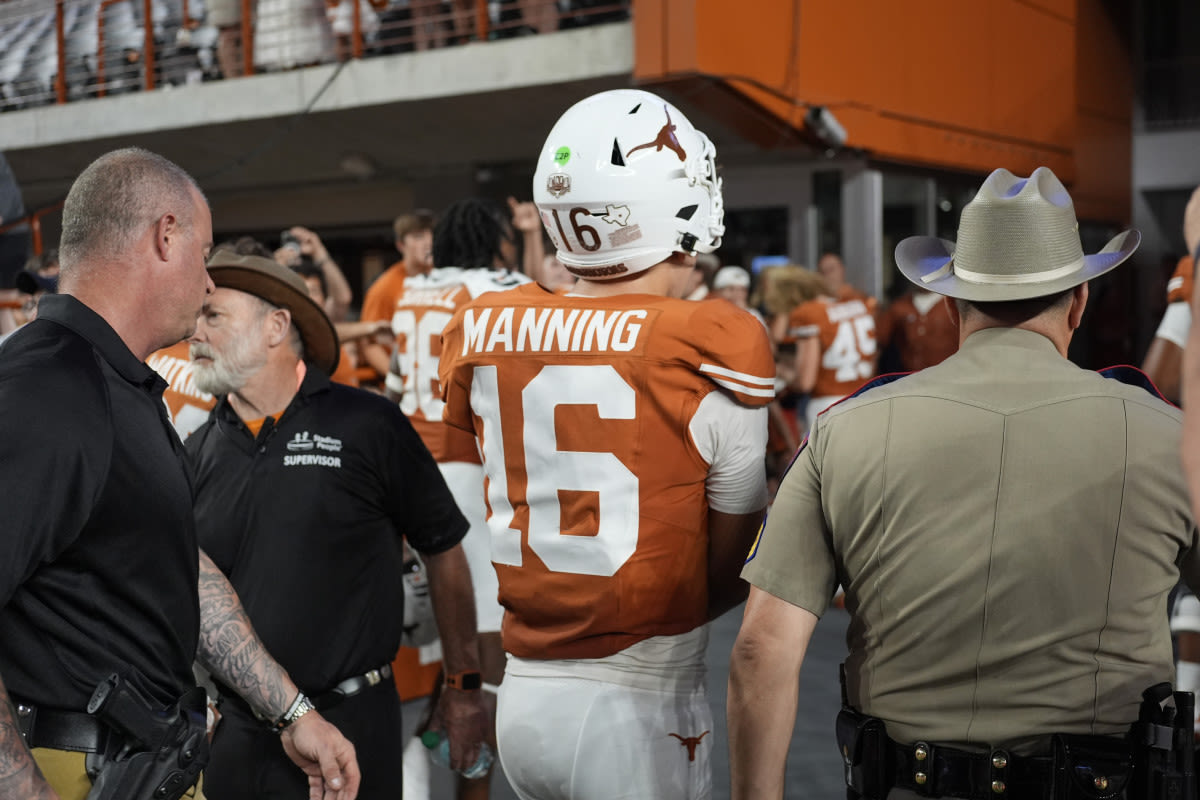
x: 94, y: 48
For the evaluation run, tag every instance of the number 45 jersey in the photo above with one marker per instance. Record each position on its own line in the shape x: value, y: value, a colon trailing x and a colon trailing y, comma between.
x: 595, y: 487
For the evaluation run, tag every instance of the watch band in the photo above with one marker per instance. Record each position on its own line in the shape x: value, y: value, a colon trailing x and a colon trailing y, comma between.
x: 299, y: 707
x: 465, y: 681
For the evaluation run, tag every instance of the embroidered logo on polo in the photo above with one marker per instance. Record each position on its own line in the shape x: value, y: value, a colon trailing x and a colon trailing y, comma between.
x: 303, y: 443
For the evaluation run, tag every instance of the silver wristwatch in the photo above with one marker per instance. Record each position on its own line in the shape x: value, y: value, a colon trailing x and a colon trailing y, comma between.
x: 299, y: 707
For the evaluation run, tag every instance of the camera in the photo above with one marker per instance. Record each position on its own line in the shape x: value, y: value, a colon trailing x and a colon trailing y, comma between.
x: 825, y: 126
x: 288, y: 239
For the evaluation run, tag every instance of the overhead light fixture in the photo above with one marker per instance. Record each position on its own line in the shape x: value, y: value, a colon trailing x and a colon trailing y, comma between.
x: 358, y: 165
x: 825, y: 126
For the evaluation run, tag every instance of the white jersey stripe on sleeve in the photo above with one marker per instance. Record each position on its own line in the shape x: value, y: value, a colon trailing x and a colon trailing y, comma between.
x: 737, y: 387
x: 753, y: 380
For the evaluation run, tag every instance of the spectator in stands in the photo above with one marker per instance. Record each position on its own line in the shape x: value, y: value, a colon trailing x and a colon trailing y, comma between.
x: 341, y: 22
x: 414, y: 240
x: 539, y: 16
x: 292, y: 33
x: 226, y: 16
x: 299, y: 243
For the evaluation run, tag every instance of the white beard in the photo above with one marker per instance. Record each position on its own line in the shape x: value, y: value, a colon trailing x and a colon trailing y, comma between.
x: 228, y: 371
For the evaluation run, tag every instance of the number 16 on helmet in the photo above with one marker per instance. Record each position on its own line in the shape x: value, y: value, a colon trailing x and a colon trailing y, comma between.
x: 623, y: 181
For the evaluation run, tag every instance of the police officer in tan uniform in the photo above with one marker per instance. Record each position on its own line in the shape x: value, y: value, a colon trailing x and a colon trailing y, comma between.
x: 1007, y: 527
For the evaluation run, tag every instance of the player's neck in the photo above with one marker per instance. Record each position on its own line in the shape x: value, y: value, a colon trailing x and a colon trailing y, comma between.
x: 659, y: 280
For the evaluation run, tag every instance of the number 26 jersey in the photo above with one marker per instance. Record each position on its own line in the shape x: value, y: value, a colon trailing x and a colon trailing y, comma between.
x: 595, y: 489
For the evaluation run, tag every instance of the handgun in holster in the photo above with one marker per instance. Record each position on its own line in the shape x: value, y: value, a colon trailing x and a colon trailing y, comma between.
x: 1163, y: 746
x: 161, y: 751
x: 863, y: 745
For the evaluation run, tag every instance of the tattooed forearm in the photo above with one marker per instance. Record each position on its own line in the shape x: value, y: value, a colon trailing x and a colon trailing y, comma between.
x: 231, y: 650
x: 20, y: 778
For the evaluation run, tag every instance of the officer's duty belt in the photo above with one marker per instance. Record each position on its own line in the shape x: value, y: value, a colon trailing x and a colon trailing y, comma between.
x: 935, y: 771
x: 61, y: 730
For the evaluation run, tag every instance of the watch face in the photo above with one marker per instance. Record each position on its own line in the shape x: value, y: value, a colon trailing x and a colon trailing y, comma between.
x: 465, y: 681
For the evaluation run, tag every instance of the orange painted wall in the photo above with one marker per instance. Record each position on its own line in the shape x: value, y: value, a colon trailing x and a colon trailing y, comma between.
x: 956, y: 84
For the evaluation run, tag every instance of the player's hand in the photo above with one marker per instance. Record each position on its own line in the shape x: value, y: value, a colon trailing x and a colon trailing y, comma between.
x: 525, y: 216
x: 325, y: 756
x: 1191, y: 222
x: 461, y: 716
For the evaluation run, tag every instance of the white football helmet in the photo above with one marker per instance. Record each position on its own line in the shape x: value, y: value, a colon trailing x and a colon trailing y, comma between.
x: 624, y: 181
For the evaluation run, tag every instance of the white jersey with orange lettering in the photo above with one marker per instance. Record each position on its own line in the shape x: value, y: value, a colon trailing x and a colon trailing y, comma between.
x: 187, y: 406
x: 426, y: 303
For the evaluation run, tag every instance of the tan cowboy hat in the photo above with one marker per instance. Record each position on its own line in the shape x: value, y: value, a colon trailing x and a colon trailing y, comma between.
x: 279, y: 286
x: 1017, y: 239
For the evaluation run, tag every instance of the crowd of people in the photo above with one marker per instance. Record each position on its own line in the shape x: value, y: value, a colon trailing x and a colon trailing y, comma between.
x: 555, y: 432
x: 198, y: 40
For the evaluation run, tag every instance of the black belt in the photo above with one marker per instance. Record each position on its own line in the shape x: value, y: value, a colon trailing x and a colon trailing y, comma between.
x: 325, y: 700
x: 61, y: 730
x: 937, y: 771
x: 351, y: 687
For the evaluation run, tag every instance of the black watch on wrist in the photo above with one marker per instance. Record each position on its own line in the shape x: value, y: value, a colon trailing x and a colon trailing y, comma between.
x: 465, y: 681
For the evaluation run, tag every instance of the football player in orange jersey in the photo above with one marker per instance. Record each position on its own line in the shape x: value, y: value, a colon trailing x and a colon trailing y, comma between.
x: 623, y: 433
x: 473, y: 252
x: 835, y: 349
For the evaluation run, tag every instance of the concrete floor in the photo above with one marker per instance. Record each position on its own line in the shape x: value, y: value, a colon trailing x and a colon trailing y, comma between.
x: 813, y: 769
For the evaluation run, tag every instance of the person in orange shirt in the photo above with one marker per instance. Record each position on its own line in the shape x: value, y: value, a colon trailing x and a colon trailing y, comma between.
x: 833, y: 270
x: 414, y: 240
x: 835, y: 349
x: 623, y: 432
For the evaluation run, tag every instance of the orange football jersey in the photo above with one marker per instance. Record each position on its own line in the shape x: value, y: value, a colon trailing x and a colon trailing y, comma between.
x: 1179, y: 287
x: 846, y: 331
x: 423, y: 307
x: 186, y: 404
x: 595, y: 489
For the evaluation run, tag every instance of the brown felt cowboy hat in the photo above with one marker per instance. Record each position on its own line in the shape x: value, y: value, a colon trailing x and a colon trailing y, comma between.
x: 279, y: 286
x: 1017, y: 239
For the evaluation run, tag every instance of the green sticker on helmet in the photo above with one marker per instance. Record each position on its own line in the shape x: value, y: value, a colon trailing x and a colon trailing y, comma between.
x: 562, y: 155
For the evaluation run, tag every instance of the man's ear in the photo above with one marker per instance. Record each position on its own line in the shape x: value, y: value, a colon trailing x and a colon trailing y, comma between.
x: 279, y: 322
x: 1079, y: 298
x: 166, y: 234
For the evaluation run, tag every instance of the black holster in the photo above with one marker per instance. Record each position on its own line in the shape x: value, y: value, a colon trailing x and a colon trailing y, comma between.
x: 162, y: 751
x: 866, y: 756
x: 1164, y: 747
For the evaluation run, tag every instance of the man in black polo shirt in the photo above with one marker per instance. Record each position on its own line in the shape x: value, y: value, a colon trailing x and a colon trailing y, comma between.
x: 304, y: 489
x: 99, y: 572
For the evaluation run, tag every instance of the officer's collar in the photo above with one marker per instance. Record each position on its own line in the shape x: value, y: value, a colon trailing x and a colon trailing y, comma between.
x: 74, y: 314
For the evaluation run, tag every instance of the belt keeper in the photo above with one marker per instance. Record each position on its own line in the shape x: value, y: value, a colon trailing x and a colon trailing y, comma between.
x: 923, y: 771
x: 998, y: 766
